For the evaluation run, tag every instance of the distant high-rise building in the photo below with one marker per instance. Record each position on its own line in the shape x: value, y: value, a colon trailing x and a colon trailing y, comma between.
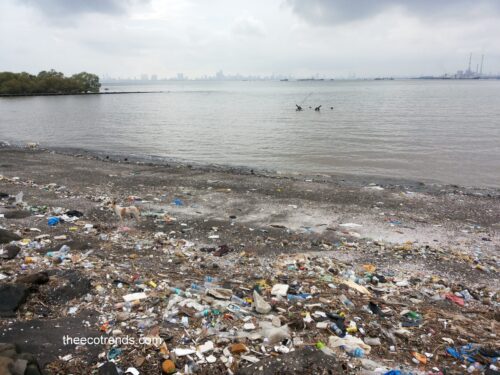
x: 219, y: 75
x: 144, y: 77
x: 180, y: 76
x: 154, y: 77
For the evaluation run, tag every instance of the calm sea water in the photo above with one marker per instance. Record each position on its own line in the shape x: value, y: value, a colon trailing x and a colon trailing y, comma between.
x: 447, y: 131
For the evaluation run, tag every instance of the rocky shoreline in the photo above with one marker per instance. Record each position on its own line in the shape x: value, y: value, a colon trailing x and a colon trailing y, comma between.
x: 238, y: 271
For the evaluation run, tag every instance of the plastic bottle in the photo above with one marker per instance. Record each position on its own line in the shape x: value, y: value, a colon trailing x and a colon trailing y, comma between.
x: 210, y: 282
x: 146, y: 323
x: 127, y: 306
x: 334, y: 316
x: 413, y: 315
x: 201, y: 314
x: 197, y: 289
x: 357, y: 353
x: 349, y: 274
x: 176, y: 291
x: 467, y: 296
x: 346, y: 301
x: 335, y: 328
x: 298, y: 297
x: 238, y: 300
x: 360, y: 281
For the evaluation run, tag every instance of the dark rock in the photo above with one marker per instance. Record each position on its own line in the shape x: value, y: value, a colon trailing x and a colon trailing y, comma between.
x: 76, y: 286
x: 207, y: 249
x: 6, y: 236
x: 74, y: 213
x: 307, y: 360
x: 10, y: 252
x: 223, y: 250
x: 45, y: 338
x: 78, y: 244
x: 3, y: 195
x: 34, y: 278
x: 33, y: 369
x: 11, y: 297
x: 16, y: 214
x: 7, y: 350
x: 13, y: 361
x: 109, y: 368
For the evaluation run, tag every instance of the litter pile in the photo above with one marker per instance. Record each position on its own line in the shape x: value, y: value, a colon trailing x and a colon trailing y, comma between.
x: 165, y: 303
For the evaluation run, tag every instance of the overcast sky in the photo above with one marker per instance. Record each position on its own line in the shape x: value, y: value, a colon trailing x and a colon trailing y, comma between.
x: 337, y: 38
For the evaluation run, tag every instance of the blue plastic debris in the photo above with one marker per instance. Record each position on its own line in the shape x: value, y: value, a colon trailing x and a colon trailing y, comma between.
x: 454, y: 353
x: 395, y: 222
x: 357, y: 353
x: 298, y: 297
x: 178, y: 202
x: 62, y: 253
x: 466, y: 352
x: 113, y: 353
x: 53, y: 221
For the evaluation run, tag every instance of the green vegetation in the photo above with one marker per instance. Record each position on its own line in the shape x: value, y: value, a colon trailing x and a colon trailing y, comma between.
x: 50, y: 82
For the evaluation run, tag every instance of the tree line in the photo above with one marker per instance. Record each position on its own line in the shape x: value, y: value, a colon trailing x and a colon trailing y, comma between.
x: 47, y: 82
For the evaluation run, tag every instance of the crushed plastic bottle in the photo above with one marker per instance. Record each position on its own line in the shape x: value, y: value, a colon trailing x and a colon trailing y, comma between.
x: 335, y: 328
x: 239, y: 301
x: 357, y: 353
x: 298, y: 297
x: 19, y: 198
x: 346, y: 301
x: 177, y: 291
x: 197, y: 289
x: 201, y: 314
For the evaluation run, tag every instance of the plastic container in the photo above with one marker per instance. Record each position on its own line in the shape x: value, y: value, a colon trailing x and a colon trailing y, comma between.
x: 357, y: 353
x: 346, y: 301
x: 335, y: 328
x: 197, y: 289
x: 176, y: 291
x: 201, y: 314
x: 238, y: 300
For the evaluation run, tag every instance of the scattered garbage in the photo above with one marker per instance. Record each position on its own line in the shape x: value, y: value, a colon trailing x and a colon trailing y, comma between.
x: 204, y: 302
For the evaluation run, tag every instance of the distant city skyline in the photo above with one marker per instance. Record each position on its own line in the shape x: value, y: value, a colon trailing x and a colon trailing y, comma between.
x: 299, y: 38
x: 467, y: 72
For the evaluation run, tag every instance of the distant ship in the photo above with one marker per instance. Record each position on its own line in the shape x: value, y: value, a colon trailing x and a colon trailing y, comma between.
x: 310, y: 79
x: 284, y: 80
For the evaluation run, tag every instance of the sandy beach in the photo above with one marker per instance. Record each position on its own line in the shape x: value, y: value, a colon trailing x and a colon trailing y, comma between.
x: 413, y: 265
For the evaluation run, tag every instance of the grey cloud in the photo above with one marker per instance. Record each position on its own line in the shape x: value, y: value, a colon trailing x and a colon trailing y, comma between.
x: 341, y: 11
x: 69, y: 8
x: 248, y: 26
